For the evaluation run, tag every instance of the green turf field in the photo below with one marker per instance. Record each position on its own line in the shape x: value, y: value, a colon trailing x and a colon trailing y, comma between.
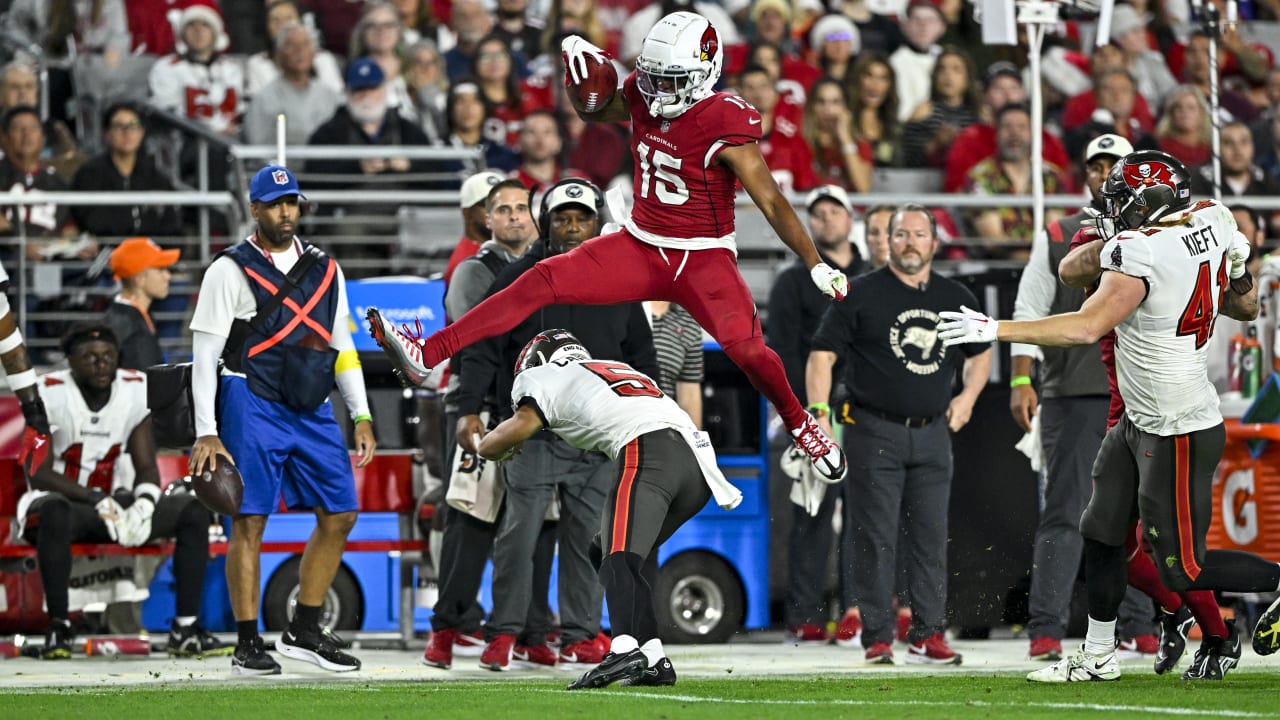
x: 1242, y: 695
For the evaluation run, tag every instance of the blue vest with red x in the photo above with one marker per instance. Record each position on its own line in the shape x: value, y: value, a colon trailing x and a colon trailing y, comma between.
x: 287, y: 359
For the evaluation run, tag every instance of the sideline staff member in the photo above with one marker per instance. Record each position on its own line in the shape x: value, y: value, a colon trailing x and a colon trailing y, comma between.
x: 276, y: 418
x: 897, y: 442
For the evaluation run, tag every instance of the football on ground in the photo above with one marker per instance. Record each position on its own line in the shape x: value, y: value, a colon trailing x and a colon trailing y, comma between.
x: 220, y: 489
x: 596, y: 89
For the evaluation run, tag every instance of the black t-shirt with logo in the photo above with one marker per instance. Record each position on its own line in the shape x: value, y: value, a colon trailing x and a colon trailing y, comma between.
x: 887, y: 334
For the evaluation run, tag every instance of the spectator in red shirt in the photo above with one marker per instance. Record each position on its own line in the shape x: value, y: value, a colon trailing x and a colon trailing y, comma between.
x: 1184, y: 129
x: 838, y: 157
x: 509, y: 100
x: 781, y: 141
x: 1002, y: 85
x: 1079, y: 108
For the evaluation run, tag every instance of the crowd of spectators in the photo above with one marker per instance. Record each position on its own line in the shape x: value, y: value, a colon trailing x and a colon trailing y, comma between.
x: 845, y: 87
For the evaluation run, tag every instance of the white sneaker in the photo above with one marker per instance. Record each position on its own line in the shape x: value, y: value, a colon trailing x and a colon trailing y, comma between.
x: 1080, y: 666
x: 823, y: 452
x: 405, y: 351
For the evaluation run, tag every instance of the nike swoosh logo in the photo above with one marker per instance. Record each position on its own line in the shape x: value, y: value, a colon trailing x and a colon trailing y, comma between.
x: 570, y: 658
x: 754, y: 121
x: 1098, y: 666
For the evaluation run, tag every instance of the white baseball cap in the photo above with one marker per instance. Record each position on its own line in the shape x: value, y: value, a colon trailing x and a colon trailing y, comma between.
x: 828, y: 192
x: 582, y: 194
x: 476, y: 188
x: 1107, y: 144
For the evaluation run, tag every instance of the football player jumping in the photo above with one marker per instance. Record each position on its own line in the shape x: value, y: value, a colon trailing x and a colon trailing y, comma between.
x: 691, y: 146
x: 1168, y: 269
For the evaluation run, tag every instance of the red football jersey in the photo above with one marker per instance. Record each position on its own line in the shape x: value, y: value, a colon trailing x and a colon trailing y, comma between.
x: 1108, y: 344
x: 679, y: 191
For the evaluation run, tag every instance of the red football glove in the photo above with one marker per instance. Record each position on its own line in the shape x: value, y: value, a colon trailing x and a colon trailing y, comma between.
x: 35, y: 448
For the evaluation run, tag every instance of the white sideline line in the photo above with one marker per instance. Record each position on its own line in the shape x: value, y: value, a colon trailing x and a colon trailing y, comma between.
x: 928, y: 703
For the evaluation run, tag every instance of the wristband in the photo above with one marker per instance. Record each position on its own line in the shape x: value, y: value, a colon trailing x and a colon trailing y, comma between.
x: 820, y: 409
x: 848, y: 148
x: 12, y: 342
x: 362, y: 417
x: 20, y: 380
x: 1019, y: 381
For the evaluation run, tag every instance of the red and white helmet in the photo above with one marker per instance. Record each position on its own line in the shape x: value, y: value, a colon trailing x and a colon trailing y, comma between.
x: 679, y: 63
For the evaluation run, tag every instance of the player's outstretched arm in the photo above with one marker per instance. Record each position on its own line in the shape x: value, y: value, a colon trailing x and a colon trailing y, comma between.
x: 503, y: 441
x: 748, y: 165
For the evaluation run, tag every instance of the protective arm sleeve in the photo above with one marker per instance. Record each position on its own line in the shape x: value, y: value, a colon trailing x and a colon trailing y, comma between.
x: 350, y: 376
x: 1035, y: 292
x: 206, y: 348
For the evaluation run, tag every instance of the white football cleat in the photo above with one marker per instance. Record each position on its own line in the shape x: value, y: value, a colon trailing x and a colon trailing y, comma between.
x: 823, y: 452
x: 1079, y: 666
x: 404, y: 348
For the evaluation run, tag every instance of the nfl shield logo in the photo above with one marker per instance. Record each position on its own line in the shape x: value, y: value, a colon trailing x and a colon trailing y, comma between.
x: 666, y: 125
x: 281, y: 177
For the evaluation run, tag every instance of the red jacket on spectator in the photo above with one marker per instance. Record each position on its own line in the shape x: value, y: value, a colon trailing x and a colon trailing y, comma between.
x: 978, y: 142
x: 535, y: 94
x: 1079, y: 109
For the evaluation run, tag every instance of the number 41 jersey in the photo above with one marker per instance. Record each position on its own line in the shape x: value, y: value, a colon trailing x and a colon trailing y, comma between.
x: 1161, y: 349
x: 683, y: 198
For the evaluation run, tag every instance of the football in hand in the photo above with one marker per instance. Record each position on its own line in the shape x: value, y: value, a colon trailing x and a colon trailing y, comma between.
x: 596, y: 89
x: 220, y: 489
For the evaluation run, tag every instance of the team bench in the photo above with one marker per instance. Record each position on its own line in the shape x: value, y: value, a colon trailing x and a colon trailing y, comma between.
x: 384, y: 486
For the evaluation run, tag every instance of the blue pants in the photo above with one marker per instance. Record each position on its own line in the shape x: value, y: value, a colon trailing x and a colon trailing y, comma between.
x: 279, y: 450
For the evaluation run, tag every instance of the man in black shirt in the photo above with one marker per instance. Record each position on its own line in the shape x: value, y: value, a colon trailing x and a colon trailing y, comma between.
x: 900, y: 416
x: 795, y: 308
x: 143, y: 270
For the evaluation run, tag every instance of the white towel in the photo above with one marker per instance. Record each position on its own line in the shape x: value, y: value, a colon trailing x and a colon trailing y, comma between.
x: 1030, y: 445
x: 808, y: 488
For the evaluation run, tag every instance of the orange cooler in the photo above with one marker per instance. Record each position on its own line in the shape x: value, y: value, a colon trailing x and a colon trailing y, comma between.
x: 1246, y: 493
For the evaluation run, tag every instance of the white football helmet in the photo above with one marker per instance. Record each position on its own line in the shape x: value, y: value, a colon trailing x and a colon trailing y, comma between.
x: 679, y: 63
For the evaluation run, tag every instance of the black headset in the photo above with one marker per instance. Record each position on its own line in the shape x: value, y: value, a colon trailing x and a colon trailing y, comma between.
x: 544, y: 212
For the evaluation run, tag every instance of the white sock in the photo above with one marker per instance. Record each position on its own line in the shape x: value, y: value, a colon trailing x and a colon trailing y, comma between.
x: 623, y: 644
x: 653, y: 651
x: 1278, y: 585
x: 1101, y: 637
x: 185, y: 620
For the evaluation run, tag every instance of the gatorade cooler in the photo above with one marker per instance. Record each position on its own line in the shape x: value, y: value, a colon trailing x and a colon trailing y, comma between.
x: 1246, y: 492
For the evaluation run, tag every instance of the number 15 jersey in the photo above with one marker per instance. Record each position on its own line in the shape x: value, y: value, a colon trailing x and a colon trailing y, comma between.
x: 682, y: 197
x: 1161, y: 349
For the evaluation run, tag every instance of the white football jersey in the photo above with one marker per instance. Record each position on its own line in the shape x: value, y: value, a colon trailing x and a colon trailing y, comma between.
x: 602, y: 405
x: 210, y: 94
x: 88, y: 444
x: 1162, y: 348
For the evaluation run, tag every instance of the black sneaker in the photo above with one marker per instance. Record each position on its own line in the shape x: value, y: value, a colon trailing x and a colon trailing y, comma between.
x: 336, y: 639
x: 1216, y: 656
x: 317, y: 648
x: 661, y: 674
x: 1174, y: 627
x: 1266, y: 634
x: 612, y: 668
x: 57, y: 641
x: 252, y: 658
x: 194, y: 641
